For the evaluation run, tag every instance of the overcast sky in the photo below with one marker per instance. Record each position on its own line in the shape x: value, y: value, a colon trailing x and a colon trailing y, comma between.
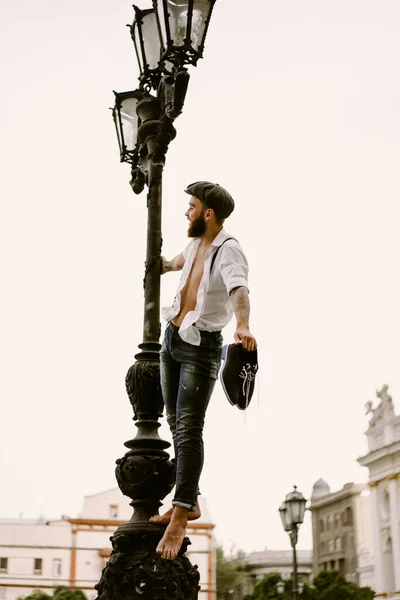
x: 295, y: 109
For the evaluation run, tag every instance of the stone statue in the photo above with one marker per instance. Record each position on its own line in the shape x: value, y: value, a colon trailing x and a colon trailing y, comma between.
x: 384, y: 412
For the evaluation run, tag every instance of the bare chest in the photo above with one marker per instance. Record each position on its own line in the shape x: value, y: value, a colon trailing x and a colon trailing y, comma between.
x: 191, y: 287
x: 196, y: 272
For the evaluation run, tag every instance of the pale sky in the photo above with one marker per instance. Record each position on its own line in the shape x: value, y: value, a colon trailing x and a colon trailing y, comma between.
x: 295, y: 109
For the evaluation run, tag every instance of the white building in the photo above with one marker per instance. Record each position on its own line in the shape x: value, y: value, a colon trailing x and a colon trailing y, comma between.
x: 73, y: 552
x: 383, y: 462
x: 259, y: 564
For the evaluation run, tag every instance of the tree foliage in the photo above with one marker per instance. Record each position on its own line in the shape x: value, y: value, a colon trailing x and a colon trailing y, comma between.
x: 231, y: 575
x: 328, y: 585
x: 61, y: 592
x: 332, y: 585
x: 36, y: 595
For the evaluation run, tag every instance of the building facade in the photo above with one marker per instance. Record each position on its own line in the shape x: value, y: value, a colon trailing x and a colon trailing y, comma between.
x: 383, y: 463
x: 259, y: 564
x: 73, y: 551
x: 342, y: 531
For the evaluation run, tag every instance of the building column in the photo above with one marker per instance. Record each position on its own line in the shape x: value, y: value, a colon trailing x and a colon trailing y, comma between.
x: 377, y: 541
x: 72, y: 575
x: 394, y: 526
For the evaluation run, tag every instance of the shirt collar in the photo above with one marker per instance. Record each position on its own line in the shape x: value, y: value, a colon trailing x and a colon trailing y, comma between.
x: 220, y: 238
x: 217, y: 241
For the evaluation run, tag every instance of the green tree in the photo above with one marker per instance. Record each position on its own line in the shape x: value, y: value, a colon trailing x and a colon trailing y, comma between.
x: 266, y: 589
x: 61, y: 592
x: 332, y: 585
x: 36, y: 595
x: 231, y: 575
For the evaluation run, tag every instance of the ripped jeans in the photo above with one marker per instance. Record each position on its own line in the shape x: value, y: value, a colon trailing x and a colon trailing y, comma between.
x: 188, y: 376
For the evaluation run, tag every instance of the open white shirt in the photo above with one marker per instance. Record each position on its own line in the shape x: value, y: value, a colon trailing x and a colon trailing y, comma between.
x: 213, y: 308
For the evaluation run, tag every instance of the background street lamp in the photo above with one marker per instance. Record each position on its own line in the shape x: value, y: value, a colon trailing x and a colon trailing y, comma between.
x: 166, y: 37
x: 292, y: 514
x: 280, y: 587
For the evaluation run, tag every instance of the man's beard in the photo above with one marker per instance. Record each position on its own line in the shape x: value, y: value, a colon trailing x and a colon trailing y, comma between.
x: 197, y: 227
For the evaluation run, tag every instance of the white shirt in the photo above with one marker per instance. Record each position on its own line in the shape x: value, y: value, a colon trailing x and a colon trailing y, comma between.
x: 213, y: 308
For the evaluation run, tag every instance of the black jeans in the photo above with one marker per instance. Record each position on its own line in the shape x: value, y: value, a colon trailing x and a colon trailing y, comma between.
x: 188, y: 375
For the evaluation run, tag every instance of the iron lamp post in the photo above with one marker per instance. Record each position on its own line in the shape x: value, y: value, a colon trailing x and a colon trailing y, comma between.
x: 292, y: 514
x: 144, y: 125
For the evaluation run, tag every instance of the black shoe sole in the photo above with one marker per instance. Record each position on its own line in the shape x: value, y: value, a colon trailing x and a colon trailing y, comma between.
x: 224, y: 388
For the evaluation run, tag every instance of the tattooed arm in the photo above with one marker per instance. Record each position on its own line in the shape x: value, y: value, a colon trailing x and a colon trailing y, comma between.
x: 176, y: 264
x: 241, y: 308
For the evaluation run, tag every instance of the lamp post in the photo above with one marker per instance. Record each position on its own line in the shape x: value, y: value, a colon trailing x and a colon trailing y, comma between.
x: 166, y: 37
x: 292, y: 514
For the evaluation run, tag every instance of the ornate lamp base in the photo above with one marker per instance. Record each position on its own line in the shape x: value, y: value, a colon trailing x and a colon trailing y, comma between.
x: 136, y: 572
x: 146, y: 475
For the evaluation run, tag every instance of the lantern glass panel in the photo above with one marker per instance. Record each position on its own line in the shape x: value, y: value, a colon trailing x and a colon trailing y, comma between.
x: 285, y: 517
x: 296, y: 506
x: 201, y: 12
x: 178, y: 15
x: 129, y: 122
x: 151, y: 40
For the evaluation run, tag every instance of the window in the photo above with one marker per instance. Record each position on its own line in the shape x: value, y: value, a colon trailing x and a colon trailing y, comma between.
x: 113, y: 511
x: 57, y: 567
x: 322, y: 525
x: 336, y: 521
x: 328, y: 524
x: 353, y: 564
x: 342, y: 566
x: 344, y: 541
x: 349, y: 516
x: 330, y: 546
x: 37, y: 566
x: 338, y: 544
x: 322, y: 547
x: 3, y: 565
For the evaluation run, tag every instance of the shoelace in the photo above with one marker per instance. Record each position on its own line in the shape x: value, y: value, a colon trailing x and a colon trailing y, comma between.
x: 248, y: 374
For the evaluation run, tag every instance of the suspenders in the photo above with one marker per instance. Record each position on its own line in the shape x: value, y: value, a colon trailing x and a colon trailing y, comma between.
x: 216, y: 252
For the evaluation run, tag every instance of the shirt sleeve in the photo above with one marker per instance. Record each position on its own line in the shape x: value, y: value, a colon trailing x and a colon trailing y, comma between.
x: 234, y: 267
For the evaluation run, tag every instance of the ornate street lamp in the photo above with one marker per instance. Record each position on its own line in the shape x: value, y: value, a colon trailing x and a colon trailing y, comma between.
x: 183, y: 28
x: 127, y: 123
x: 146, y: 39
x: 292, y: 514
x: 144, y: 125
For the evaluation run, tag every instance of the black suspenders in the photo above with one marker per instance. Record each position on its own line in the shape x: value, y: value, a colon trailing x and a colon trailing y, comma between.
x: 216, y: 252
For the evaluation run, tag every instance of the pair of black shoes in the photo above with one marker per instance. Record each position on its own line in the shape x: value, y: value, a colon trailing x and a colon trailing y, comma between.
x: 238, y: 374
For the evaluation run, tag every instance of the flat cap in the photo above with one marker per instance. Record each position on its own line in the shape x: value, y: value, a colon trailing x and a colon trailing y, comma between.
x: 213, y: 196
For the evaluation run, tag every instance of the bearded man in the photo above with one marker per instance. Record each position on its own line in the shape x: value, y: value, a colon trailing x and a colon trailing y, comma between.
x: 213, y: 286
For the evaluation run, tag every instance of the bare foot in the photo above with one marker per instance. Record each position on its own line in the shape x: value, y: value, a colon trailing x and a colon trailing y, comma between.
x: 171, y: 542
x: 166, y: 517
